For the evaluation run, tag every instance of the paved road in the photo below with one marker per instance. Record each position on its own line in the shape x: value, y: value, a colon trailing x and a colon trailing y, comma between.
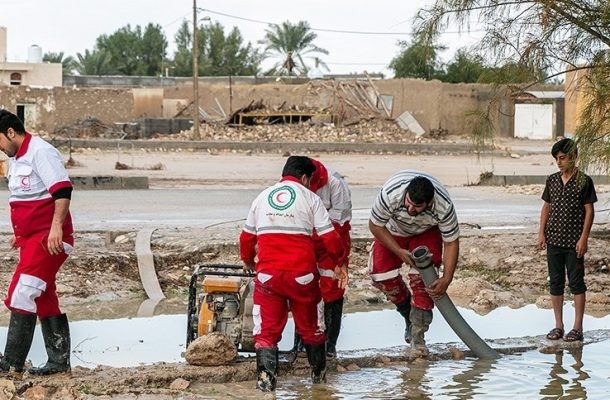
x: 183, y: 208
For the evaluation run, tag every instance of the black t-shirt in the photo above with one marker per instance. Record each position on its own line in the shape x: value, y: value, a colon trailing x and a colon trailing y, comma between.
x: 567, y: 212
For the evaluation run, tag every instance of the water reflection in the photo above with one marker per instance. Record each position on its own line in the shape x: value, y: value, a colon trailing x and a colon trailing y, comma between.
x: 561, y: 385
x: 467, y: 383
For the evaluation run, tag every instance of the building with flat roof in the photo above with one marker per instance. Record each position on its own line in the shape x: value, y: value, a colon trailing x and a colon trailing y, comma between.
x: 31, y: 73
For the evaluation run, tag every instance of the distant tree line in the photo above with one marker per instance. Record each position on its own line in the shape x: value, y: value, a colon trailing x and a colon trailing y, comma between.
x: 142, y: 51
x: 419, y: 59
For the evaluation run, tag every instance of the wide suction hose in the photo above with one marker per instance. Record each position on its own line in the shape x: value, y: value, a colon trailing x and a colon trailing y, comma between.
x: 423, y: 262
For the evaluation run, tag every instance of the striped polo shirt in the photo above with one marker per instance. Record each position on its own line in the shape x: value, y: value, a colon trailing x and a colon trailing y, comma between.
x: 389, y: 209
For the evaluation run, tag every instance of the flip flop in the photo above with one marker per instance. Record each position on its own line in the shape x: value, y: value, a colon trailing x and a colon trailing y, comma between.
x: 574, y: 336
x: 555, y: 334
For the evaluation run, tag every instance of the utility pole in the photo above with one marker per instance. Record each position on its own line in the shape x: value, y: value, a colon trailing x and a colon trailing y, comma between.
x: 195, y: 52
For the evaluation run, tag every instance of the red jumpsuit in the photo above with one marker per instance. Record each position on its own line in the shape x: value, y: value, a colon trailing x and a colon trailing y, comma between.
x: 278, y: 231
x: 336, y: 197
x: 34, y: 174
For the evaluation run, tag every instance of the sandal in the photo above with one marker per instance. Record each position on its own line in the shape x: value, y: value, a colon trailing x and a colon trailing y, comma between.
x: 555, y: 334
x: 574, y: 336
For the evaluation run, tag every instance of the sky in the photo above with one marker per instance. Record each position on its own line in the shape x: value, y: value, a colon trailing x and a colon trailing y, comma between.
x: 72, y: 26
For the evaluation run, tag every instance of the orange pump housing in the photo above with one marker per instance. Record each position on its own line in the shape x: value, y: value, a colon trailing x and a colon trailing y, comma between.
x: 212, y: 285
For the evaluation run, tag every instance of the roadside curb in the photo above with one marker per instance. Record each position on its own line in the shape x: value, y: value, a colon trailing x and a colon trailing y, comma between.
x: 507, y: 180
x: 102, y: 182
x: 279, y: 147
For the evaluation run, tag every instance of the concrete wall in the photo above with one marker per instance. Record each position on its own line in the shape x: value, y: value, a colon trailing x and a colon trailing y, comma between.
x: 434, y: 104
x: 170, y: 81
x: 57, y: 107
x: 575, y: 99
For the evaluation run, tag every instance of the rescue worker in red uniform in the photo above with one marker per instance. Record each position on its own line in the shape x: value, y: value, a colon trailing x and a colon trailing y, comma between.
x: 336, y: 197
x: 278, y: 232
x: 40, y: 193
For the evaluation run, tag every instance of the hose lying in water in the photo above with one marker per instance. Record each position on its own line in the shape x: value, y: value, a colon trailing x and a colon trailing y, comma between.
x: 423, y: 262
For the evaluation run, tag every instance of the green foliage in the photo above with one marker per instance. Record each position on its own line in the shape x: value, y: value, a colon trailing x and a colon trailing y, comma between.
x: 95, y: 62
x: 464, y: 67
x: 417, y: 59
x: 133, y: 52
x: 220, y: 54
x: 68, y: 63
x: 289, y: 44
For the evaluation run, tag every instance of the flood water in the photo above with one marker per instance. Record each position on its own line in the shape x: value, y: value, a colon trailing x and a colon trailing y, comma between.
x: 572, y: 374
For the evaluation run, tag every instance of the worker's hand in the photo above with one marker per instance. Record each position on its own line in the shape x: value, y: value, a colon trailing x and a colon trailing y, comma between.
x: 405, y: 256
x: 541, y: 241
x: 581, y: 247
x: 341, y: 276
x: 55, y: 243
x: 438, y: 288
x: 13, y: 242
x: 248, y: 267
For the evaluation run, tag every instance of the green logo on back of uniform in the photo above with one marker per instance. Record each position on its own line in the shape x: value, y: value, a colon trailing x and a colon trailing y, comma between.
x: 282, y: 197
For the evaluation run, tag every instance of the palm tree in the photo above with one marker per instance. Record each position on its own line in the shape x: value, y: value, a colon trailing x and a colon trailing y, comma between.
x: 68, y: 63
x: 96, y: 62
x: 289, y: 44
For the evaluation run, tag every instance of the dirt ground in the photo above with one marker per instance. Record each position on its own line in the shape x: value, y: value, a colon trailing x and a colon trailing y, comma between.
x: 495, y: 269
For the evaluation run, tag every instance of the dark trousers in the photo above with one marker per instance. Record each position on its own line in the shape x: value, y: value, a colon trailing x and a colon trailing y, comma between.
x: 561, y: 260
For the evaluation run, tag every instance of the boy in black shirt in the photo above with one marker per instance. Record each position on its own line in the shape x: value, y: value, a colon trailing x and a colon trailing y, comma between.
x: 565, y: 224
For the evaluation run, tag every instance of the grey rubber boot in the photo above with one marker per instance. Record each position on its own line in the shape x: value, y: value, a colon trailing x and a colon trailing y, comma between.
x: 266, y: 368
x: 332, y: 318
x: 56, y: 334
x: 316, y: 354
x: 420, y: 322
x: 404, y: 309
x: 18, y: 342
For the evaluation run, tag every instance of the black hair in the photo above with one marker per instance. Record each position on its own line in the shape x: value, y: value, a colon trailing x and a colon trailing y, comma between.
x: 566, y: 146
x: 298, y: 166
x: 420, y: 190
x: 10, y: 120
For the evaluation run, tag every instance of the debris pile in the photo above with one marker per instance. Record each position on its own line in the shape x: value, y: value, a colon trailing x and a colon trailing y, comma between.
x: 89, y: 128
x: 373, y: 130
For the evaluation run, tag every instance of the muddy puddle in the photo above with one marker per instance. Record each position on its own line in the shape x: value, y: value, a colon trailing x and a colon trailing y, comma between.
x: 132, y: 341
x: 569, y: 374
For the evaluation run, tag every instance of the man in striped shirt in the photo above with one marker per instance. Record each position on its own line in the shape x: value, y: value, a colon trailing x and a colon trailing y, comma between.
x: 413, y: 209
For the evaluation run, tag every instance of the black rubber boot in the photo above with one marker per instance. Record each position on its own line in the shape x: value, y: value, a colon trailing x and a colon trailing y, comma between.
x: 56, y: 334
x: 333, y: 312
x: 266, y: 368
x: 404, y: 309
x: 316, y: 354
x: 18, y: 342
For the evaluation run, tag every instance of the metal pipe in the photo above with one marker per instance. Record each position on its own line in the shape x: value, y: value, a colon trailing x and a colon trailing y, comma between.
x: 423, y: 261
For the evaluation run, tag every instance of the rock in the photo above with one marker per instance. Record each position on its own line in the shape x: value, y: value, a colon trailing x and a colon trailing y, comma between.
x: 456, y: 353
x: 544, y: 302
x: 179, y: 384
x: 7, y: 389
x: 487, y: 300
x: 353, y: 367
x: 467, y: 287
x: 36, y: 393
x: 515, y: 155
x: 598, y: 301
x: 341, y: 368
x: 211, y: 350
